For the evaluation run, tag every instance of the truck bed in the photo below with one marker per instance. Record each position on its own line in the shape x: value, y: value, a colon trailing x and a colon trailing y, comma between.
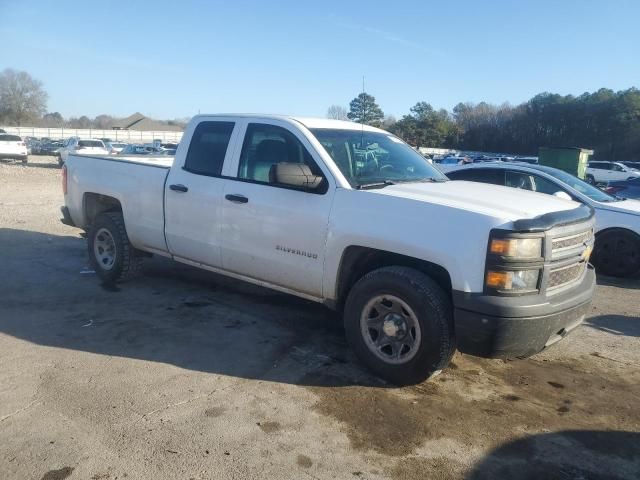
x: 136, y: 182
x: 150, y: 160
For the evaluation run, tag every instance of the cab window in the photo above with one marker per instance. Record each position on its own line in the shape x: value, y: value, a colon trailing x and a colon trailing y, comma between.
x: 267, y: 145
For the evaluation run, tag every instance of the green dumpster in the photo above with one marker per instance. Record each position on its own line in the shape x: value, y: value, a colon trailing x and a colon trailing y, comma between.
x: 572, y: 160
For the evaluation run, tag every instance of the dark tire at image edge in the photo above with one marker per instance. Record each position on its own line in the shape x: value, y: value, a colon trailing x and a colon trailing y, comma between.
x: 399, y: 323
x: 111, y: 254
x: 617, y: 253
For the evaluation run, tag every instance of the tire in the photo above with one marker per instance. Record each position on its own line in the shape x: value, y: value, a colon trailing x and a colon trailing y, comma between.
x: 119, y: 260
x: 590, y: 180
x: 412, y: 293
x: 25, y: 160
x: 617, y: 253
x: 60, y: 162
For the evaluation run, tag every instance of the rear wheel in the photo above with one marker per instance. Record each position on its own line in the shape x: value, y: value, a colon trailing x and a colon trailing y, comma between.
x: 400, y: 324
x: 25, y: 160
x: 111, y: 254
x: 590, y: 180
x: 617, y: 253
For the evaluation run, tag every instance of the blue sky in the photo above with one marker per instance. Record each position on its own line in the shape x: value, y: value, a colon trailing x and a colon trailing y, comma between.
x: 173, y: 59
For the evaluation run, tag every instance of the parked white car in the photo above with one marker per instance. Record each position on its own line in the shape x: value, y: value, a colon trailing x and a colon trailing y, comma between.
x: 12, y: 146
x: 352, y: 217
x: 114, y: 147
x: 603, y: 172
x: 92, y: 146
x: 617, y: 245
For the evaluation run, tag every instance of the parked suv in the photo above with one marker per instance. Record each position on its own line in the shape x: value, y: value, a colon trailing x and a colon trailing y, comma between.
x: 603, y: 172
x: 83, y: 147
x: 12, y: 146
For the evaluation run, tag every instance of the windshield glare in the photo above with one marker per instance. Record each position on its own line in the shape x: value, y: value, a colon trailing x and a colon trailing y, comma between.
x: 583, y: 187
x: 366, y: 157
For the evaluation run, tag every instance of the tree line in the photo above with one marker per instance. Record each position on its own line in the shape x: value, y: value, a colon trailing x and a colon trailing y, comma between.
x: 23, y: 101
x: 606, y: 121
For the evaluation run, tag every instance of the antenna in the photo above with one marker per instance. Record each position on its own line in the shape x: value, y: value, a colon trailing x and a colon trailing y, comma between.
x: 364, y: 113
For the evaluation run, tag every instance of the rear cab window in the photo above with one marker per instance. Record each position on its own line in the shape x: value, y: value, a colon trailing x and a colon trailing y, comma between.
x: 208, y: 148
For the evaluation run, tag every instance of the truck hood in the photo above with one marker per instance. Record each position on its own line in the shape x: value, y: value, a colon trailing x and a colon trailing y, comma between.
x: 506, y: 203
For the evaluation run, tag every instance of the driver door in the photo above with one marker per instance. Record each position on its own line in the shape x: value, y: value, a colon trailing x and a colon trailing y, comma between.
x: 271, y: 232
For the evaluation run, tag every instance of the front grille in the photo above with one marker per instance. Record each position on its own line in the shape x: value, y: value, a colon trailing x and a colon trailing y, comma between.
x: 564, y: 275
x: 571, y: 241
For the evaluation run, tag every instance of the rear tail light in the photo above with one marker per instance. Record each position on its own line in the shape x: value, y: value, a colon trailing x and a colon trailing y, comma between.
x: 64, y: 179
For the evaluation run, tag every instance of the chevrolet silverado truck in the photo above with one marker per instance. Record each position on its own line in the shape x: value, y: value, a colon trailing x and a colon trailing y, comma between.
x: 352, y: 217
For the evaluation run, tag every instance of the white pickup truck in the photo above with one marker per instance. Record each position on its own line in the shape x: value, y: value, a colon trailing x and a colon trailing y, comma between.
x: 352, y: 217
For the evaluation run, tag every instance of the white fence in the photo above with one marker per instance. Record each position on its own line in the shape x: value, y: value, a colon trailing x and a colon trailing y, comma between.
x: 127, y: 136
x: 436, y: 151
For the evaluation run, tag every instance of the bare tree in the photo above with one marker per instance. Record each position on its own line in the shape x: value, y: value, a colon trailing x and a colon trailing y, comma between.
x: 336, y: 112
x: 103, y: 121
x: 51, y: 119
x: 22, y: 97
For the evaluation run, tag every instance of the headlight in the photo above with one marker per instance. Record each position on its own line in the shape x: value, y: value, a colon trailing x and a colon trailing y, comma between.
x: 516, y: 247
x: 517, y: 281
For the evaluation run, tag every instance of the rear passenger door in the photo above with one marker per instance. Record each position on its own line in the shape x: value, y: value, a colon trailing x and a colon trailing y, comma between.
x: 194, y: 191
x: 272, y: 232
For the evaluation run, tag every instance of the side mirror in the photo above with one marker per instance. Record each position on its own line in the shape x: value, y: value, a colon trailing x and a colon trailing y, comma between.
x: 294, y: 175
x: 561, y: 194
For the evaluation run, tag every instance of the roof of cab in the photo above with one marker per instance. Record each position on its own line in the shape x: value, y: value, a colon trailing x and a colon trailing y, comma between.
x: 309, y: 122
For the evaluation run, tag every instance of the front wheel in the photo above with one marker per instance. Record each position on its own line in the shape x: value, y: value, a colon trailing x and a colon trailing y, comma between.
x: 400, y: 324
x: 590, y: 180
x: 111, y: 254
x: 617, y: 253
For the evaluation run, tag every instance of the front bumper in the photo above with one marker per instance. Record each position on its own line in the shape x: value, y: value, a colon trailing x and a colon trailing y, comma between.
x: 499, y: 327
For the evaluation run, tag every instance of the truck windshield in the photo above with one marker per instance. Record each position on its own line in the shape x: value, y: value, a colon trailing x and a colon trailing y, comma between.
x: 375, y: 158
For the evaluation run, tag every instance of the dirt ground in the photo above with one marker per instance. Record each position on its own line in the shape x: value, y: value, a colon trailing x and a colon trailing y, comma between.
x: 183, y: 374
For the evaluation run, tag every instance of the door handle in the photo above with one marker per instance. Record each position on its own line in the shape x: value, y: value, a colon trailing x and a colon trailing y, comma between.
x: 236, y: 198
x: 178, y: 188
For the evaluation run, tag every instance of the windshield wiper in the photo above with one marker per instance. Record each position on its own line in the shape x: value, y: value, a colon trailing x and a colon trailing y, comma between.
x: 431, y: 179
x: 366, y: 186
x: 423, y: 180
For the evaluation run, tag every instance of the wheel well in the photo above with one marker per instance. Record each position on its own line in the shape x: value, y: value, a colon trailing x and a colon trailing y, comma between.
x: 96, y: 203
x: 617, y: 230
x: 358, y: 261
